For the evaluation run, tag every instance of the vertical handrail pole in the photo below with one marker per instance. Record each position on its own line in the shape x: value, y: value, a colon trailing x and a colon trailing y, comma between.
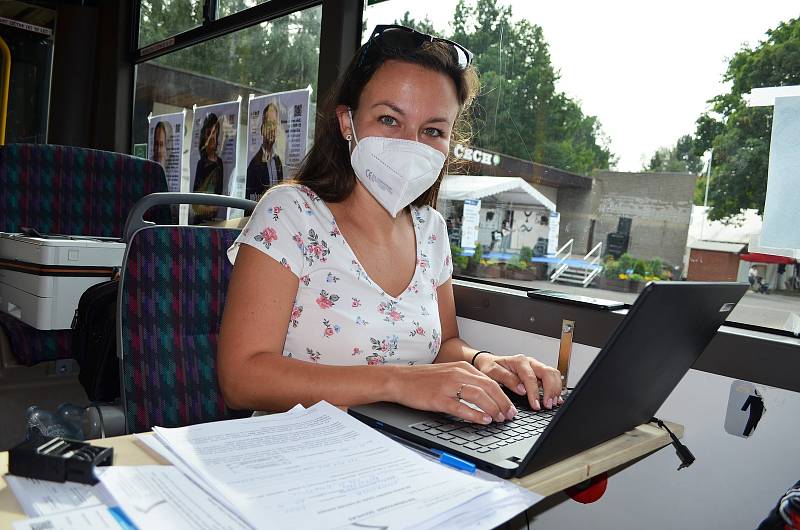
x: 5, y: 88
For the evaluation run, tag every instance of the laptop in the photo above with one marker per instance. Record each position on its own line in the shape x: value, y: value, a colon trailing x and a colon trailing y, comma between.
x: 660, y: 338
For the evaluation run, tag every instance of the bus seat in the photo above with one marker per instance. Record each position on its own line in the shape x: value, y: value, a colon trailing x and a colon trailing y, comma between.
x: 172, y: 293
x: 72, y: 190
x: 67, y: 190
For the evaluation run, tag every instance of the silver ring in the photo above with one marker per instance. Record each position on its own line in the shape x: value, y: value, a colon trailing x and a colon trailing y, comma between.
x: 458, y: 394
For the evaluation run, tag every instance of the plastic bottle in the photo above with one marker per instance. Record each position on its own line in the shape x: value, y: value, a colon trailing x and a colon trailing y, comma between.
x: 93, y: 423
x: 71, y: 417
x: 43, y: 421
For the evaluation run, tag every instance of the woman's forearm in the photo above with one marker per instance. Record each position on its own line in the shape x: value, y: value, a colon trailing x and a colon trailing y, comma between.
x: 275, y: 383
x: 453, y: 350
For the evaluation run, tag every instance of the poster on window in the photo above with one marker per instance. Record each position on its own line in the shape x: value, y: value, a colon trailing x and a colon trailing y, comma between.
x: 212, y: 158
x: 277, y: 138
x: 470, y: 220
x: 165, y: 145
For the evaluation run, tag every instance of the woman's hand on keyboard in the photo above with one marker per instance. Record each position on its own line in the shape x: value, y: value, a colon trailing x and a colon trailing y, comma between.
x: 523, y: 375
x: 436, y: 387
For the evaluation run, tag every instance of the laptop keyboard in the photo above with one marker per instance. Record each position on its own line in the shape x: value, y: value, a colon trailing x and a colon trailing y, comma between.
x: 484, y: 438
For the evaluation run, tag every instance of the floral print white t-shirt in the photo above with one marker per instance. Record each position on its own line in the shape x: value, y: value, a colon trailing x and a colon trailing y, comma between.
x: 340, y: 316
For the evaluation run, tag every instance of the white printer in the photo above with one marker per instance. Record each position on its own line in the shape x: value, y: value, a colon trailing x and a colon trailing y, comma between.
x: 42, y: 278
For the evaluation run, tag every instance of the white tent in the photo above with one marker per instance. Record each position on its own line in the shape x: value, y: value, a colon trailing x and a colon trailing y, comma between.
x: 513, y: 190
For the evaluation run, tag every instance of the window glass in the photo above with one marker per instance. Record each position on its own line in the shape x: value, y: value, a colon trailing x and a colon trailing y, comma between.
x: 161, y: 19
x: 29, y: 34
x: 277, y: 56
x: 229, y: 7
x: 608, y: 114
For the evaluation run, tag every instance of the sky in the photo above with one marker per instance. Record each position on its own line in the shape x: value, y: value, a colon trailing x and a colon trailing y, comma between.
x: 645, y: 69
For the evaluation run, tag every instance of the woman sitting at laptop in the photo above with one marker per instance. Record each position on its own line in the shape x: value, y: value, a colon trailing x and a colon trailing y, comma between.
x: 341, y: 289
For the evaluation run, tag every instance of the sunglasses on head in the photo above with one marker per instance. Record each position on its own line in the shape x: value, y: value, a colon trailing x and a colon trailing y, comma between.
x: 393, y: 36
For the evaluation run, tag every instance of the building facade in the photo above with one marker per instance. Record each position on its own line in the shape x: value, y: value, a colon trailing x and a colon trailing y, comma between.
x: 652, y: 209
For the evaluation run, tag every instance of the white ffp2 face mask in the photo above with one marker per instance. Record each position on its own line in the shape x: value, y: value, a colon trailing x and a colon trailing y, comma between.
x: 394, y: 171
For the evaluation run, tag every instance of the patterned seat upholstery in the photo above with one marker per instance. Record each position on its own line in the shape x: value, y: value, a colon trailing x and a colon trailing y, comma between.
x: 67, y: 190
x: 71, y: 190
x: 30, y: 345
x: 172, y: 294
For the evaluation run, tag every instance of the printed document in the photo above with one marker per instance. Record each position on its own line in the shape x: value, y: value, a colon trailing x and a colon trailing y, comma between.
x: 163, y: 497
x: 319, y: 468
x: 43, y: 497
x: 499, y: 505
x: 92, y: 518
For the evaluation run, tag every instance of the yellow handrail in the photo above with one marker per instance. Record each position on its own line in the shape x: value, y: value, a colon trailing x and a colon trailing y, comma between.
x: 5, y: 87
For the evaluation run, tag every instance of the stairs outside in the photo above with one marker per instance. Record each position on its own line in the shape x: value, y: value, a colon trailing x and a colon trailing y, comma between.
x: 577, y: 272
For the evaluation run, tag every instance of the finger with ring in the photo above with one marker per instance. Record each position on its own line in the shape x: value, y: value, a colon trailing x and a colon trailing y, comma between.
x: 458, y: 394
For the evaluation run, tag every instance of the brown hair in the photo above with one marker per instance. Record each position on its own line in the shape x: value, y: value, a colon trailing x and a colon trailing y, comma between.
x: 326, y: 168
x: 209, y: 122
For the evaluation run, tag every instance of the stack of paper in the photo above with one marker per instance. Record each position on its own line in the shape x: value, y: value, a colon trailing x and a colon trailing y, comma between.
x: 306, y: 468
x: 318, y: 468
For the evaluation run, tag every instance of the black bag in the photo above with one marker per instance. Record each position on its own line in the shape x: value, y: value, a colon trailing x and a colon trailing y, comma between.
x: 94, y: 341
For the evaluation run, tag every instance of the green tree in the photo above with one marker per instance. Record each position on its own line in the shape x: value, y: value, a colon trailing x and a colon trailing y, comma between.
x: 680, y: 158
x: 738, y: 134
x: 160, y: 19
x: 519, y: 111
x: 700, y: 191
x: 425, y: 25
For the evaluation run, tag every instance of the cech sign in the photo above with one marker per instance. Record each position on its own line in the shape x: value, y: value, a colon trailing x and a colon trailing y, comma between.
x: 476, y: 155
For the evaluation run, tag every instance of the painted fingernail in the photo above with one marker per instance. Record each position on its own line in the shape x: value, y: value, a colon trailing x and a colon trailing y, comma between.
x: 549, y: 403
x: 487, y: 419
x: 521, y: 389
x: 512, y: 412
x: 536, y: 405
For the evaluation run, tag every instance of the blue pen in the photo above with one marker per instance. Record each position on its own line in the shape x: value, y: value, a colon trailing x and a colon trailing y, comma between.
x: 442, y: 456
x: 453, y: 461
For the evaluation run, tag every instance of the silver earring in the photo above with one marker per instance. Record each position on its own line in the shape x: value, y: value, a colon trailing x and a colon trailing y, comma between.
x: 348, y: 137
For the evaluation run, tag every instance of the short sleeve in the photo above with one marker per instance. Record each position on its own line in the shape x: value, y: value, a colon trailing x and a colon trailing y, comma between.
x: 275, y: 228
x: 444, y: 255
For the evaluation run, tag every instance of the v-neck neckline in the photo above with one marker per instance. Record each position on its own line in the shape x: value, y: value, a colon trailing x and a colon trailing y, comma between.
x: 357, y: 262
